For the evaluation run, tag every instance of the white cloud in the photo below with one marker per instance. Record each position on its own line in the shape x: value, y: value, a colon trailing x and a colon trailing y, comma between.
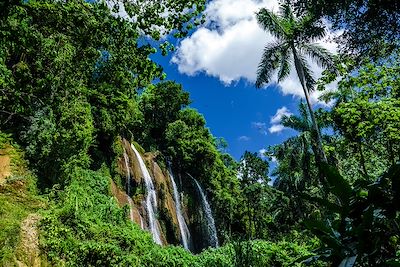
x: 283, y: 111
x: 230, y: 45
x: 275, y: 121
x: 277, y: 128
x: 244, y: 138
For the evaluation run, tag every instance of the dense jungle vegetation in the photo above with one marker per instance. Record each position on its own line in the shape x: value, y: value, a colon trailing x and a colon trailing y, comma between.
x: 75, y: 78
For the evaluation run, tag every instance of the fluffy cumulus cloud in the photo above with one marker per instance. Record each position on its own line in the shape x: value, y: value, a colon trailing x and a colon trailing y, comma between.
x: 276, y: 126
x: 283, y: 111
x: 230, y: 45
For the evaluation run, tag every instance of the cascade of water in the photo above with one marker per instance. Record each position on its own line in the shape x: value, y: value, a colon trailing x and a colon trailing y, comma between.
x: 128, y: 178
x: 151, y: 199
x: 212, y: 230
x: 185, y: 234
x: 128, y: 186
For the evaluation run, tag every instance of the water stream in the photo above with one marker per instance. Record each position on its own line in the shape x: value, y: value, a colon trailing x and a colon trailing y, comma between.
x: 151, y: 199
x: 128, y: 186
x: 184, y: 230
x: 212, y: 230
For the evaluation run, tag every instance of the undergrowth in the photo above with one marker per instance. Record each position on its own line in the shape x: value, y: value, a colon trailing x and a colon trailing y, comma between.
x: 85, y: 227
x: 18, y: 198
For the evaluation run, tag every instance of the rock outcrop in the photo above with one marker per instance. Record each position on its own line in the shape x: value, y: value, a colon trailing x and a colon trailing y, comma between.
x: 167, y: 216
x: 122, y: 199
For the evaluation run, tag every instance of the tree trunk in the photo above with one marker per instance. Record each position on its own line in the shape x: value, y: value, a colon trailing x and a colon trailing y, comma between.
x: 300, y: 73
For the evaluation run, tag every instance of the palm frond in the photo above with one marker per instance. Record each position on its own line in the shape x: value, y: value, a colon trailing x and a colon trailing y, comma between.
x: 319, y: 54
x: 269, y: 63
x: 310, y: 29
x: 304, y: 112
x: 286, y: 12
x: 284, y: 65
x: 271, y: 23
x: 296, y: 123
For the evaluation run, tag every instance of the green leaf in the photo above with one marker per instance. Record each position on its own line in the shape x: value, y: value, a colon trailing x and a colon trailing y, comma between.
x: 338, y: 185
x: 326, y: 233
x: 348, y: 262
x: 393, y: 262
x: 324, y: 202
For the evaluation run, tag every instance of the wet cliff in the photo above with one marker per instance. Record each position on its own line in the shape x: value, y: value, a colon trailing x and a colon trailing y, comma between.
x: 132, y: 180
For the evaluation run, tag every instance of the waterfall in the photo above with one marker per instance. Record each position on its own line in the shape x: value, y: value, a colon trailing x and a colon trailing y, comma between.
x: 128, y: 186
x: 151, y: 199
x: 128, y: 178
x: 185, y: 234
x: 212, y: 230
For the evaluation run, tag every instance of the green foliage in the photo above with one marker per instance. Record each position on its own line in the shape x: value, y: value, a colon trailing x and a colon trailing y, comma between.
x: 297, y: 155
x: 158, y: 18
x: 86, y: 227
x: 253, y: 177
x: 190, y: 142
x: 4, y: 139
x: 160, y: 105
x: 69, y: 81
x: 295, y: 37
x: 362, y: 227
x: 368, y: 28
x: 18, y: 198
x: 75, y: 79
x: 256, y: 253
x: 366, y: 117
x: 192, y: 148
x: 68, y: 139
x: 16, y: 202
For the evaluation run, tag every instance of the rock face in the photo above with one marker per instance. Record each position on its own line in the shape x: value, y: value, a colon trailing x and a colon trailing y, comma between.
x: 122, y: 199
x: 167, y: 216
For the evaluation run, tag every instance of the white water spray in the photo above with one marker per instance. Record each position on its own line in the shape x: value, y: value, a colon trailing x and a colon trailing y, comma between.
x: 151, y: 199
x: 212, y: 230
x: 128, y: 186
x: 128, y: 178
x: 185, y: 234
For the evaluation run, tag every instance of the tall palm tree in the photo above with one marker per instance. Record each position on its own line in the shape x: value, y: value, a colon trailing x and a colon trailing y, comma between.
x: 295, y: 40
x: 295, y: 154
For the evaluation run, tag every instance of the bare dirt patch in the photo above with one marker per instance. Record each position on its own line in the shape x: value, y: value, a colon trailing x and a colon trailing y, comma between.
x: 5, y: 168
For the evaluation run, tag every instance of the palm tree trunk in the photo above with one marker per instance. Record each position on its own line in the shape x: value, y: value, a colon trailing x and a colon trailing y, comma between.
x: 300, y: 73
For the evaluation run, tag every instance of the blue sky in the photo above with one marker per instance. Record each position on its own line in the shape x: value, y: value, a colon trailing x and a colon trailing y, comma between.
x: 239, y: 113
x: 217, y: 65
